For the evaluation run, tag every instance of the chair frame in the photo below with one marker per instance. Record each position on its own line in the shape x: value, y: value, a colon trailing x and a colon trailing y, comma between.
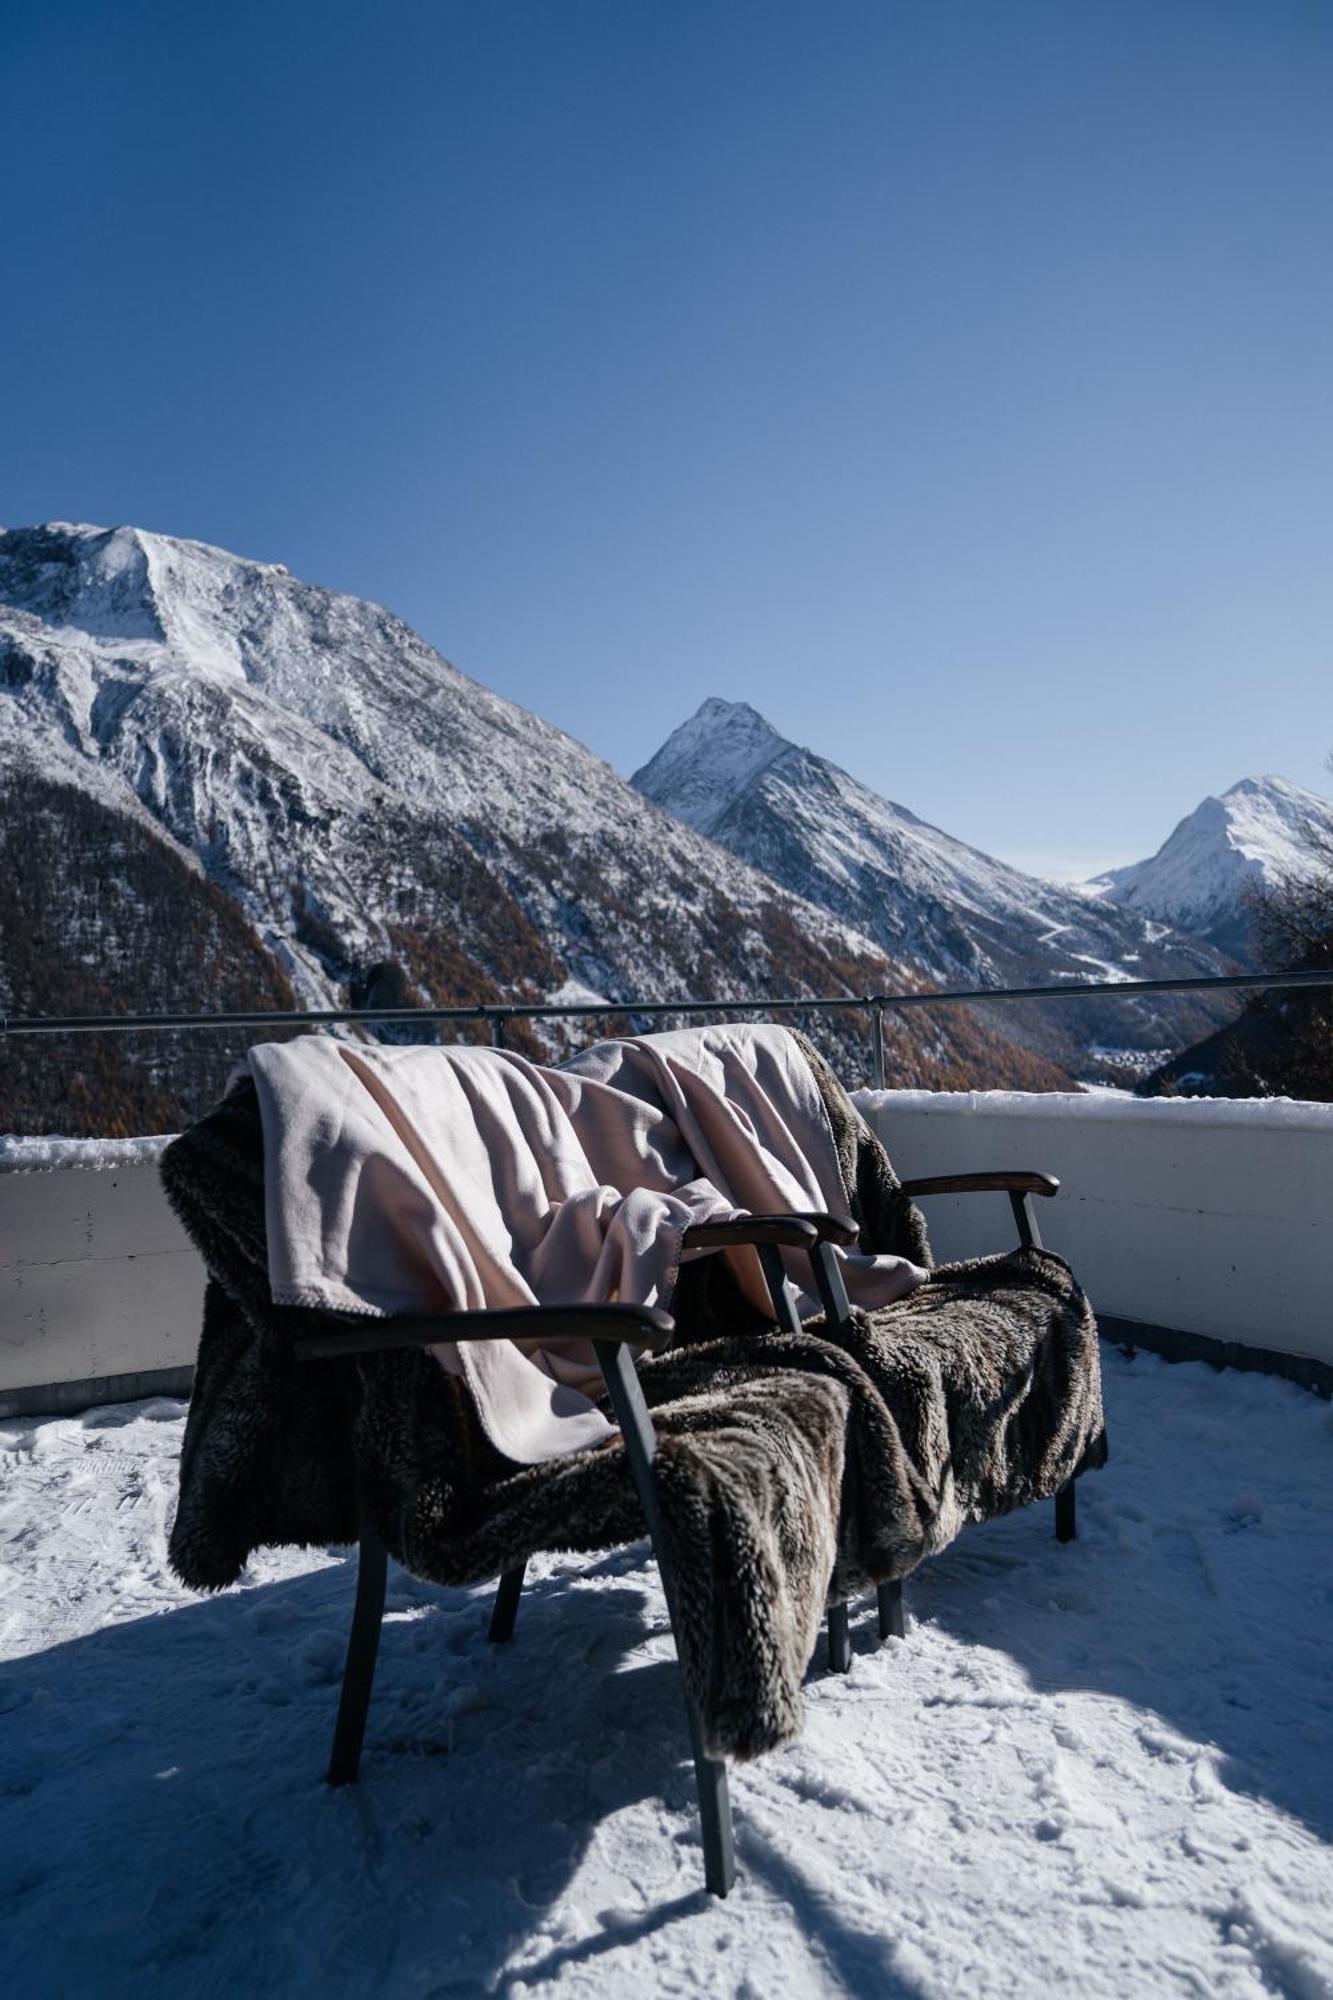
x: 1020, y: 1184
x: 613, y: 1330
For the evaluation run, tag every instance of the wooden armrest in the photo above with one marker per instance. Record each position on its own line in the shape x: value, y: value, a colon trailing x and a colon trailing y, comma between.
x: 614, y: 1323
x: 998, y: 1183
x: 796, y: 1231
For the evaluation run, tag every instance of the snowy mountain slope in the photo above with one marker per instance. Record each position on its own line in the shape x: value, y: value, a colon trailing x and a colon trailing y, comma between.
x: 960, y: 916
x: 376, y: 815
x: 1251, y: 837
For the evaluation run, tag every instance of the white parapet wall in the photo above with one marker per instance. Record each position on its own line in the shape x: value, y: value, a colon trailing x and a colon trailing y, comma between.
x: 101, y: 1291
x: 1212, y: 1216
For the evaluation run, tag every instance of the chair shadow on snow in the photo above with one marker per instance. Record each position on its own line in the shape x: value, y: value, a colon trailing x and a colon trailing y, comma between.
x: 166, y: 1778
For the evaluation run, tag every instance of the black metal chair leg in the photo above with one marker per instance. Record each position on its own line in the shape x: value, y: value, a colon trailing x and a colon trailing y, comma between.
x: 363, y: 1646
x: 506, y: 1605
x: 1066, y: 1514
x: 1028, y: 1233
x: 780, y: 1291
x: 889, y: 1601
x: 830, y: 1285
x: 710, y: 1773
x: 839, y: 1640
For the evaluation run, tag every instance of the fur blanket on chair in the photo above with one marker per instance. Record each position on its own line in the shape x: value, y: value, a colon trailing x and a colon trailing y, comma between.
x: 790, y: 1469
x: 280, y: 1451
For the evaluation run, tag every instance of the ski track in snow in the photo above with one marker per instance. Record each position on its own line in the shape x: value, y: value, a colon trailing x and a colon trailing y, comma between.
x: 1104, y: 1769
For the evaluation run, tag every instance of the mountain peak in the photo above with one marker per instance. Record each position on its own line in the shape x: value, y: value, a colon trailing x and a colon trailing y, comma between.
x: 129, y: 583
x: 1268, y: 785
x: 1261, y: 830
x: 377, y: 819
x: 714, y: 755
x: 95, y: 580
x: 126, y: 587
x: 957, y: 915
x: 717, y: 709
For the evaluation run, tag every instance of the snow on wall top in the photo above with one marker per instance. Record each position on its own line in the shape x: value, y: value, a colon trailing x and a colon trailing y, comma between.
x: 1286, y: 1113
x: 44, y: 1155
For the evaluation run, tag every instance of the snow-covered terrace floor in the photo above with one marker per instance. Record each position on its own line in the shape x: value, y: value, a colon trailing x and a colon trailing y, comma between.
x: 1106, y: 1768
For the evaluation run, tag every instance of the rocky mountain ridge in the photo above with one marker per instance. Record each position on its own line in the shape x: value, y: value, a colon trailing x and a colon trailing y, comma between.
x: 389, y: 829
x: 960, y: 917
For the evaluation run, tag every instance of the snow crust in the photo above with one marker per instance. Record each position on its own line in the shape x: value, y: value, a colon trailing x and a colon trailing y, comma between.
x: 20, y: 1155
x: 1105, y: 1769
x: 1258, y: 1113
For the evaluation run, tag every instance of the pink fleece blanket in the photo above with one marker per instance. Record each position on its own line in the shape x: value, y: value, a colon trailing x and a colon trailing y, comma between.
x: 412, y: 1180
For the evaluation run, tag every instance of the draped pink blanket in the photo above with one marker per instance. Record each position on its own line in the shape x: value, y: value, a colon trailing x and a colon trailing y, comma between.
x: 411, y: 1180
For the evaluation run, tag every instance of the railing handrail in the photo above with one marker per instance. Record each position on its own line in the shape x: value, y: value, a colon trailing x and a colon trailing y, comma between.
x: 500, y: 1011
x: 516, y: 1010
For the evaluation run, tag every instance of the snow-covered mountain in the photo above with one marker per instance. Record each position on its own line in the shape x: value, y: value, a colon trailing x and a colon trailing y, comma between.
x: 1252, y: 837
x: 389, y: 828
x: 960, y: 916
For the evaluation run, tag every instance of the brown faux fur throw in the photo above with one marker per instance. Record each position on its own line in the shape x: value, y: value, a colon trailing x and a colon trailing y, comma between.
x: 789, y: 1469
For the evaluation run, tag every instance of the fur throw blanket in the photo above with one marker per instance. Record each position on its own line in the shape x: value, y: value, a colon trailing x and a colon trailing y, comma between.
x: 818, y: 1464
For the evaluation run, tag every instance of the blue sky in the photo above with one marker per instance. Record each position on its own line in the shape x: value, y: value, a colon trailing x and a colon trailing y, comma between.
x: 952, y: 380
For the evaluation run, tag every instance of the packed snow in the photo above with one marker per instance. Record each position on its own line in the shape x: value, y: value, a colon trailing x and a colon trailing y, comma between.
x: 1104, y: 1769
x: 1291, y: 1114
x: 21, y: 1155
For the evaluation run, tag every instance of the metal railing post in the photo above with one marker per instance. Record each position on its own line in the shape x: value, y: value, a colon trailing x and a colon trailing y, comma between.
x: 877, y: 1040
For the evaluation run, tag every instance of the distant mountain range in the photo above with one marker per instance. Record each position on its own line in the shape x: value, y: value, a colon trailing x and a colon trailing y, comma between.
x: 1250, y: 838
x: 224, y: 786
x: 960, y: 916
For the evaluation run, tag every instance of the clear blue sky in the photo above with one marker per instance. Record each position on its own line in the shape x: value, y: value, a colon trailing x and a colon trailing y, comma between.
x: 952, y: 380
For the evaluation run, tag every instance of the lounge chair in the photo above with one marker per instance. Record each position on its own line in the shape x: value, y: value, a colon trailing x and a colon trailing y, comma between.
x: 311, y: 1426
x: 997, y: 1355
